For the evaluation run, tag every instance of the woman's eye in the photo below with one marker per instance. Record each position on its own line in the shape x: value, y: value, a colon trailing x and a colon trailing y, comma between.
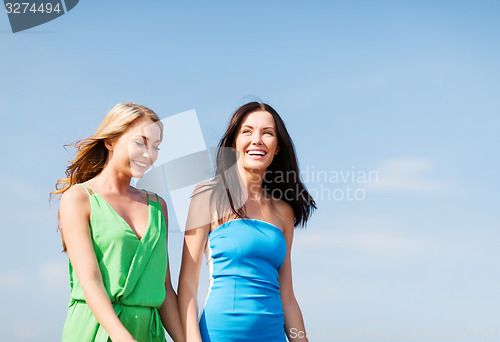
x: 139, y: 143
x: 271, y: 134
x: 156, y: 148
x: 246, y: 131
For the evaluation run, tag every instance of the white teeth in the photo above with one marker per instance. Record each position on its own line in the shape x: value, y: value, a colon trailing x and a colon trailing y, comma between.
x: 257, y: 153
x: 140, y: 164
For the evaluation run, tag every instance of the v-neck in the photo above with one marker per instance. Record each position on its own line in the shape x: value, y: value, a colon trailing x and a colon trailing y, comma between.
x: 124, y: 221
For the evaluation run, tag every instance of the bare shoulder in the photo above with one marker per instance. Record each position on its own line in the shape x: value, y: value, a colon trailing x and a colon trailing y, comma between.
x: 162, y: 203
x: 202, y: 193
x: 74, y: 209
x: 285, y: 212
x: 163, y: 206
x: 75, y: 196
x: 151, y: 195
x: 204, y: 188
x: 200, y: 206
x: 154, y: 197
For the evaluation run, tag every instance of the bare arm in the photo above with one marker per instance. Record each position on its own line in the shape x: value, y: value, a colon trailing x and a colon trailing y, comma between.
x: 74, y: 219
x: 294, y: 322
x: 169, y: 311
x: 195, y: 238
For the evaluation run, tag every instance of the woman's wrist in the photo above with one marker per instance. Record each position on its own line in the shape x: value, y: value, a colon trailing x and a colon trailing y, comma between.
x: 122, y: 336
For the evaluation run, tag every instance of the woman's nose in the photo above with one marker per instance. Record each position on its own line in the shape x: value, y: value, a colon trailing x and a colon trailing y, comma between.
x: 256, y: 139
x: 148, y: 153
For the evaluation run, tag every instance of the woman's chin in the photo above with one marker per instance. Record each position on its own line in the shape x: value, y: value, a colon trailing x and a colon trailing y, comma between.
x: 138, y: 173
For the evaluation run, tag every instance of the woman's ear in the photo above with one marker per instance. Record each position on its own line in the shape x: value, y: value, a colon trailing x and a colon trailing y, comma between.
x: 109, y: 144
x: 277, y: 150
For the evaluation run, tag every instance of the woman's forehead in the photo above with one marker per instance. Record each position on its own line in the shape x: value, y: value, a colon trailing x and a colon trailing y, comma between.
x: 145, y: 127
x: 258, y: 118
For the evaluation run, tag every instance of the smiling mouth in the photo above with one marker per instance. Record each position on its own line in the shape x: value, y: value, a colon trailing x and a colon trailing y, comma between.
x: 256, y: 154
x: 140, y: 164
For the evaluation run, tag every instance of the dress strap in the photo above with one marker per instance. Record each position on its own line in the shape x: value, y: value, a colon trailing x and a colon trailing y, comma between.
x: 146, y: 194
x: 87, y: 187
x: 157, y: 198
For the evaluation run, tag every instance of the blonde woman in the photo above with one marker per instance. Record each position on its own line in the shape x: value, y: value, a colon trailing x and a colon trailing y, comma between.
x: 116, y: 235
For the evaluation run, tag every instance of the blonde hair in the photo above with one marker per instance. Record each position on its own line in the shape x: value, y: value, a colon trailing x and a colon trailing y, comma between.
x: 91, y: 154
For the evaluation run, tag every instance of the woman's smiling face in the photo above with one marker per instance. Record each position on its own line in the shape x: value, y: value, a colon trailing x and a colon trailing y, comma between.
x: 137, y: 149
x: 257, y: 141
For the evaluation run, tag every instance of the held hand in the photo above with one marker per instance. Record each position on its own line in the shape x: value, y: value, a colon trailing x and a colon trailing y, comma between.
x: 124, y: 338
x: 131, y: 339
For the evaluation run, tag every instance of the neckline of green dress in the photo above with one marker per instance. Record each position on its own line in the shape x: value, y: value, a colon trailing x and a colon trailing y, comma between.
x: 148, y: 226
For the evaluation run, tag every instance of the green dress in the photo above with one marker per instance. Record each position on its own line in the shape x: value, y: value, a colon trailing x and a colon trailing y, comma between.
x: 133, y: 272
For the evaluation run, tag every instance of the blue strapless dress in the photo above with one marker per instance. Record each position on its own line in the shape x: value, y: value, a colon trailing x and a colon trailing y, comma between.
x: 243, y: 301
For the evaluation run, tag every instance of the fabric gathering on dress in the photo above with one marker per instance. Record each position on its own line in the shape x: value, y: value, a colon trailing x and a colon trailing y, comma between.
x: 133, y: 271
x: 243, y: 301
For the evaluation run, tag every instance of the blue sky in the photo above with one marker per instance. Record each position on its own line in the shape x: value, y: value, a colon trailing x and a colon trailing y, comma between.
x: 408, y: 89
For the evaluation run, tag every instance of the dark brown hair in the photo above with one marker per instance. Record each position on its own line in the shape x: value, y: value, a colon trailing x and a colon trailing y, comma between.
x: 284, y: 167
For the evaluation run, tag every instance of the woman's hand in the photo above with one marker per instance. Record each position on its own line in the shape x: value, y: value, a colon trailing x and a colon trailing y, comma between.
x: 124, y: 339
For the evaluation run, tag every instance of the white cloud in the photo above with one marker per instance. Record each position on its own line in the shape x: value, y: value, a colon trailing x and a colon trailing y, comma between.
x: 410, y: 175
